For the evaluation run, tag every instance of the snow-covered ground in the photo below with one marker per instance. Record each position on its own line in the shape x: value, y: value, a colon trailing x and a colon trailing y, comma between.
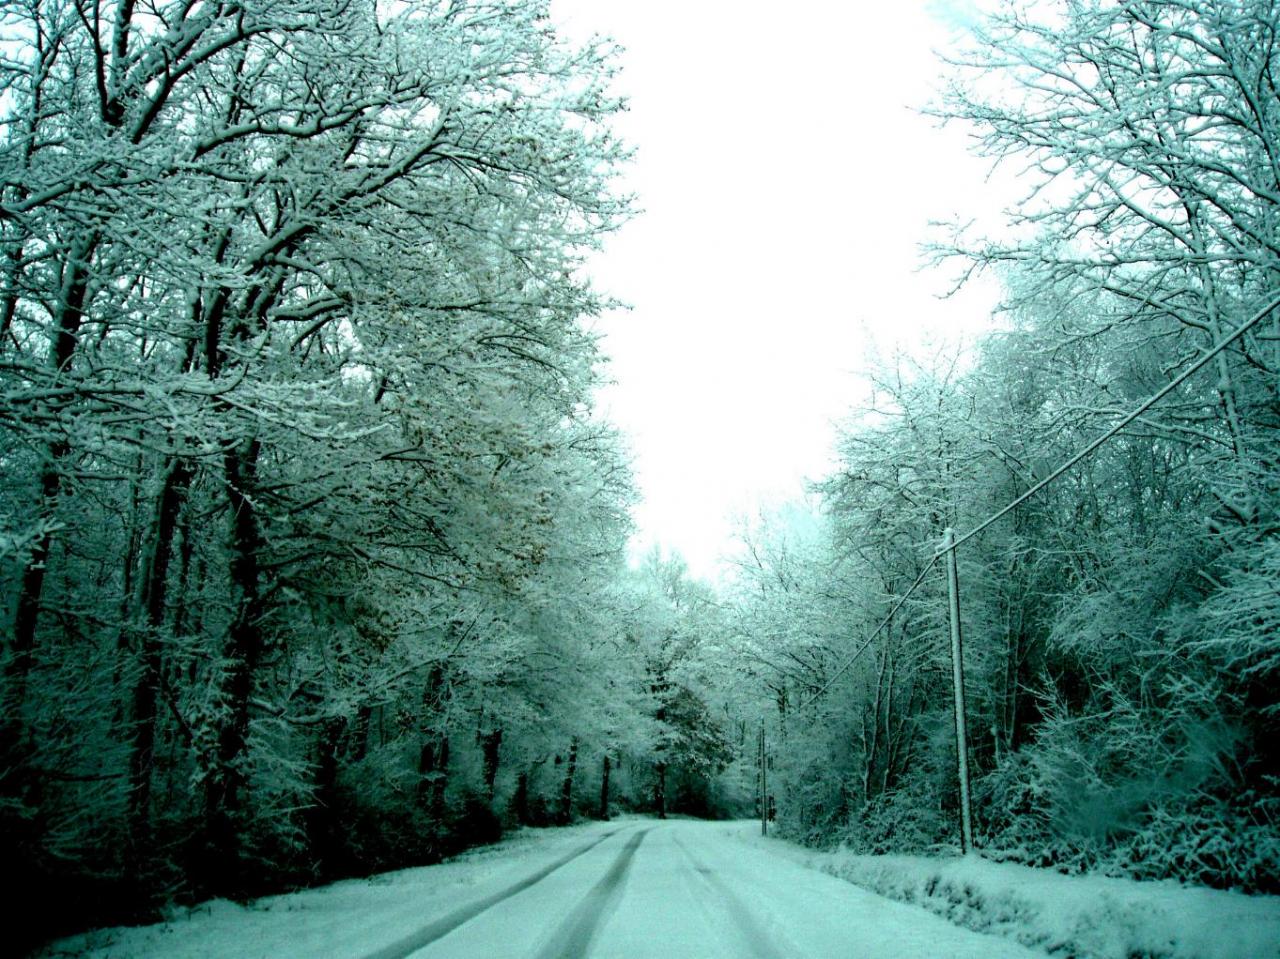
x: 355, y: 917
x: 641, y: 888
x: 1087, y: 917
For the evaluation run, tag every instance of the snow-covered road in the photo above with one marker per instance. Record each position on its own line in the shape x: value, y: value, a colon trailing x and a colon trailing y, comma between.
x: 642, y: 888
x: 635, y: 888
x: 681, y: 888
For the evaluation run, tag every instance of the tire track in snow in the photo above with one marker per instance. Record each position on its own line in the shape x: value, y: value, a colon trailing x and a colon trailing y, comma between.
x: 573, y: 936
x: 451, y: 921
x: 755, y: 940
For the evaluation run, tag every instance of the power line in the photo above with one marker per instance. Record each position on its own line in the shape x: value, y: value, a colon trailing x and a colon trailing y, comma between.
x: 1150, y: 402
x: 867, y: 642
x: 1057, y: 474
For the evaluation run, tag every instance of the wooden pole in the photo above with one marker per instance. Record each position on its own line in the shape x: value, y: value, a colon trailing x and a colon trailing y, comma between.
x: 957, y: 677
x: 764, y: 780
x: 764, y: 784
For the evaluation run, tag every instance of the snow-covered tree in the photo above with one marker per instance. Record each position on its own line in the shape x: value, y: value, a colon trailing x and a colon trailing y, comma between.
x: 295, y: 405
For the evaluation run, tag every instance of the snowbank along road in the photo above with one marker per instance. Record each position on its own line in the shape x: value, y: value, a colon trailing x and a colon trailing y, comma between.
x: 684, y: 889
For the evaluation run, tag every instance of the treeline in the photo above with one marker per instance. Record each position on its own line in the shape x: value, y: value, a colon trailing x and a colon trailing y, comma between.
x: 1123, y: 627
x: 311, y: 544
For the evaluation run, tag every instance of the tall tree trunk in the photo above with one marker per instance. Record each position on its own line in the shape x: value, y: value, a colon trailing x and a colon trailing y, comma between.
x: 322, y: 823
x: 604, y: 788
x: 66, y: 324
x: 18, y: 780
x: 226, y: 782
x: 433, y: 771
x: 490, y: 748
x: 520, y: 801
x: 433, y: 759
x: 142, y: 713
x: 358, y: 742
x: 566, y: 788
x: 659, y: 688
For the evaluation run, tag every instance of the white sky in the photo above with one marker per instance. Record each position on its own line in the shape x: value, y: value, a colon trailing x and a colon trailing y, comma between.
x: 787, y: 184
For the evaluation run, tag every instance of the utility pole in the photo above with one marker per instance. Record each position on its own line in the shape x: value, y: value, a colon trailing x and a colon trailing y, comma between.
x: 764, y: 783
x: 957, y: 677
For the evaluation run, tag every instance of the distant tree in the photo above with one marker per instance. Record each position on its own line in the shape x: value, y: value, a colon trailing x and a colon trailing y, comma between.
x: 669, y: 631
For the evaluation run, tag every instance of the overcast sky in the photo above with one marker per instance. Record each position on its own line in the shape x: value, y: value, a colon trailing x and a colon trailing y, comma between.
x: 787, y: 183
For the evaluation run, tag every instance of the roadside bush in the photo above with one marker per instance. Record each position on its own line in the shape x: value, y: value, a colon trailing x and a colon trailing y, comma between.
x: 909, y: 819
x: 1010, y: 810
x: 473, y: 823
x: 1207, y: 840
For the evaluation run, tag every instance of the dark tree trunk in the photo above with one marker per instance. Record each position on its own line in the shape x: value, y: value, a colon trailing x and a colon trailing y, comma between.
x: 604, y: 788
x: 27, y: 615
x: 660, y: 688
x: 20, y: 783
x: 358, y: 742
x: 433, y: 759
x: 322, y: 823
x: 490, y: 747
x: 224, y: 792
x: 520, y: 801
x: 67, y: 321
x: 566, y: 788
x: 433, y: 772
x: 142, y: 713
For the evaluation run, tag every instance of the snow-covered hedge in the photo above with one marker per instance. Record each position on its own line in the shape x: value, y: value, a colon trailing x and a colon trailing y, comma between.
x: 1084, y: 917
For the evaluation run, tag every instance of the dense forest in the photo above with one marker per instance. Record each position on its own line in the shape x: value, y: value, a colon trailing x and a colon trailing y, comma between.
x: 1122, y: 626
x: 313, y: 547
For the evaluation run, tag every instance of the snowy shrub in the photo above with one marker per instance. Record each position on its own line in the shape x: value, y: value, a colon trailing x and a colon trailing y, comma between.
x: 1244, y: 618
x: 811, y: 785
x: 472, y: 822
x: 1206, y: 840
x: 1010, y: 812
x: 1085, y: 917
x: 1097, y: 770
x: 1148, y: 790
x: 380, y: 825
x: 906, y: 819
x: 278, y: 779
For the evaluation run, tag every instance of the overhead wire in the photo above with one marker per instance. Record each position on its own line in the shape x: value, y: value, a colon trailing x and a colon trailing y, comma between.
x: 1151, y: 401
x: 1057, y: 474
x: 844, y: 667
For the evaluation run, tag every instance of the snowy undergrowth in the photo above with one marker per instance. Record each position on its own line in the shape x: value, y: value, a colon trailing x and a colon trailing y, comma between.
x: 1083, y: 917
